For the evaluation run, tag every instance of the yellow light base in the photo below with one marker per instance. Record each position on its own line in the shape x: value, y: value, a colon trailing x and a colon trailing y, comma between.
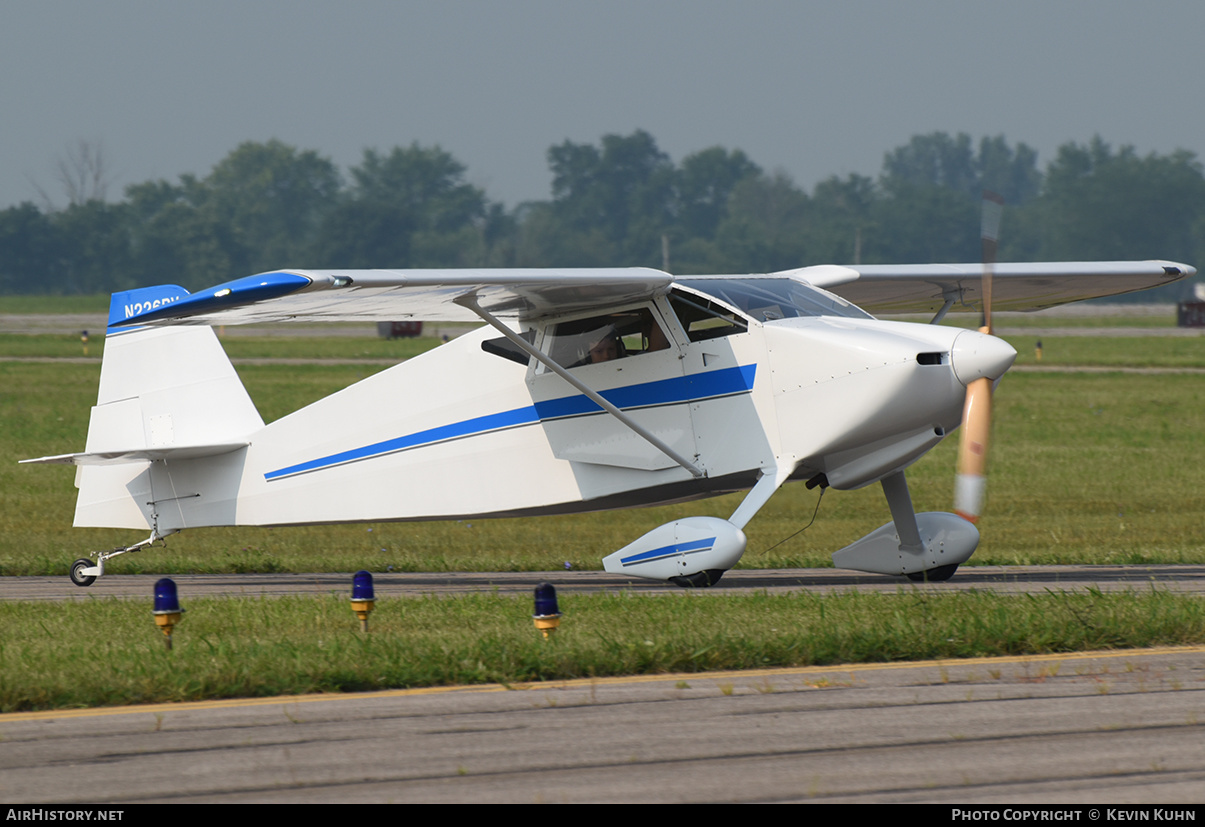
x: 363, y: 608
x: 547, y: 624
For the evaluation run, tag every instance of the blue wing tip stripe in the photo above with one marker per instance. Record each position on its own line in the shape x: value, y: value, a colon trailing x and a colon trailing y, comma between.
x: 169, y: 301
x: 131, y: 304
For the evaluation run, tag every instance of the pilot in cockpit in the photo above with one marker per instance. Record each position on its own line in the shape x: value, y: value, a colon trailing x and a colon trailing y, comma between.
x: 607, y: 347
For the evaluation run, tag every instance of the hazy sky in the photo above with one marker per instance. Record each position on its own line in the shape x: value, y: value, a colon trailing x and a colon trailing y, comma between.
x: 811, y: 88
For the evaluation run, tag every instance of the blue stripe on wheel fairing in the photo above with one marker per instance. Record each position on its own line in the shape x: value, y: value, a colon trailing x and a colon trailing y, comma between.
x: 668, y: 551
x: 725, y: 382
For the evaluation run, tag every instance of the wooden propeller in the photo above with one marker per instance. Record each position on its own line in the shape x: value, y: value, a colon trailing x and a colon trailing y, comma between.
x: 977, y: 411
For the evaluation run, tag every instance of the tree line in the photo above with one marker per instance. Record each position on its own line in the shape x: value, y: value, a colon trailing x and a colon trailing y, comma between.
x: 620, y: 202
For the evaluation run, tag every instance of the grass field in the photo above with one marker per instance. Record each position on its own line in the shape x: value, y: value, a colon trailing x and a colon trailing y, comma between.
x: 1086, y: 468
x: 96, y: 303
x: 1057, y: 351
x: 109, y: 652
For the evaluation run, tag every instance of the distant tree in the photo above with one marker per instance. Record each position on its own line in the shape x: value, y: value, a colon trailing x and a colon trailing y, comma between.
x: 274, y: 198
x: 624, y: 189
x: 270, y: 205
x: 705, y: 182
x: 363, y: 235
x: 499, y: 235
x: 545, y: 239
x: 94, y: 251
x: 842, y: 229
x: 1010, y: 172
x: 766, y: 227
x: 29, y: 245
x: 409, y: 208
x: 934, y: 160
x: 426, y: 182
x: 177, y: 233
x: 82, y: 171
x: 1098, y: 203
x: 930, y: 196
x: 915, y: 223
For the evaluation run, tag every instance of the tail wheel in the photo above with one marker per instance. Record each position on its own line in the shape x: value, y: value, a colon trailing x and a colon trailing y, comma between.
x: 77, y: 572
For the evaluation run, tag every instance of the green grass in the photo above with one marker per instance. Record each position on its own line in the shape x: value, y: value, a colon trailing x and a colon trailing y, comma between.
x: 106, y: 652
x: 46, y: 345
x: 237, y: 347
x: 96, y: 303
x: 1058, y: 351
x: 1053, y: 319
x: 1085, y: 468
x: 1100, y: 351
x: 327, y: 347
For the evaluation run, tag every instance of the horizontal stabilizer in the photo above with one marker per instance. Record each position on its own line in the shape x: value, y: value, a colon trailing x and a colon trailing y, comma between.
x: 175, y: 452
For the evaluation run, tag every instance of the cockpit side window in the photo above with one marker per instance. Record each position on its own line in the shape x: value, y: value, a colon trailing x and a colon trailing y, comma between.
x: 605, y: 338
x: 705, y: 319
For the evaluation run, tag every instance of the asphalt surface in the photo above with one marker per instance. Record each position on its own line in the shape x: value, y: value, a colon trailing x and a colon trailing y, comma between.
x: 999, y: 579
x: 1098, y: 728
x: 1115, y: 728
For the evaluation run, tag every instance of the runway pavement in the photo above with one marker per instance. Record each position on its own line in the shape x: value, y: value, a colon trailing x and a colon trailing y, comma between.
x: 1097, y: 728
x: 1001, y: 579
x: 1115, y: 728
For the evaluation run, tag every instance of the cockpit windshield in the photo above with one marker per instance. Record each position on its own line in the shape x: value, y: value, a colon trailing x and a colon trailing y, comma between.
x: 775, y: 298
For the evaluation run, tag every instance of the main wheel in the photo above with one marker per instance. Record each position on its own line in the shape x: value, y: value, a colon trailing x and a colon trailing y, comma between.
x: 698, y: 580
x: 77, y: 573
x: 938, y: 575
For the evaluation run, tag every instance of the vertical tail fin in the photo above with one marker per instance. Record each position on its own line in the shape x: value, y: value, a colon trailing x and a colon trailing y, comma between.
x: 165, y: 386
x: 164, y: 392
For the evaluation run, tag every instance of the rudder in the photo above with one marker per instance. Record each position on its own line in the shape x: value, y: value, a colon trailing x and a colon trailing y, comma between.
x: 165, y: 392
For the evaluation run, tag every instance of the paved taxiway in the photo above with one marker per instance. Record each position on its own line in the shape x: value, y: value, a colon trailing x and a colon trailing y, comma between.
x: 1113, y: 728
x: 1000, y: 579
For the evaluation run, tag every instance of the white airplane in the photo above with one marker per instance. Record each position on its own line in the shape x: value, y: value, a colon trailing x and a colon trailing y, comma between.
x: 585, y: 390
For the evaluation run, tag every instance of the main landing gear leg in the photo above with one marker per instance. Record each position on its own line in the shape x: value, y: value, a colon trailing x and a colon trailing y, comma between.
x: 895, y: 487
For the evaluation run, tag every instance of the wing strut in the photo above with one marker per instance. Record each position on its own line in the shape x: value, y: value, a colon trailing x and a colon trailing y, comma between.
x: 470, y: 301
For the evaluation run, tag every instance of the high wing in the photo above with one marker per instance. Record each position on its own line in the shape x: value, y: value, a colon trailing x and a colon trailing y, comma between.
x: 395, y: 295
x: 919, y: 288
x: 441, y: 295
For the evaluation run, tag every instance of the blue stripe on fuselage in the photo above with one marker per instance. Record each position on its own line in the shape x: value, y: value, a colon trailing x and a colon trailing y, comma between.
x: 678, y: 390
